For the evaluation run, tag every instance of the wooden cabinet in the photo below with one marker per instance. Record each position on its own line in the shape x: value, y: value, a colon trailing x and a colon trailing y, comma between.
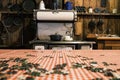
x: 108, y: 42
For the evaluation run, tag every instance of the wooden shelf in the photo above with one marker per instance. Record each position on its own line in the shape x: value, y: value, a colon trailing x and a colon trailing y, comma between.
x: 79, y: 14
x: 14, y: 12
x: 98, y: 14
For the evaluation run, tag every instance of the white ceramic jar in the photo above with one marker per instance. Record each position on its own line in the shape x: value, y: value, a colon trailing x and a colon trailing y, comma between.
x: 114, y: 11
x: 68, y: 38
x: 42, y: 5
x: 90, y: 10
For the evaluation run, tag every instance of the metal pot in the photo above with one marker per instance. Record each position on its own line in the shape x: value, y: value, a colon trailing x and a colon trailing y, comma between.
x: 100, y: 24
x: 68, y: 5
x: 9, y: 4
x: 91, y: 25
x: 29, y: 5
x: 18, y: 20
x: 1, y: 5
x: 103, y: 3
x: 55, y: 37
x: 1, y: 28
x: 16, y: 7
x: 8, y: 21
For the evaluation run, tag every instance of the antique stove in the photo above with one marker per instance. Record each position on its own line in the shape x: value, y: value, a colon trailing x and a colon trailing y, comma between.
x: 62, y: 22
x: 49, y: 22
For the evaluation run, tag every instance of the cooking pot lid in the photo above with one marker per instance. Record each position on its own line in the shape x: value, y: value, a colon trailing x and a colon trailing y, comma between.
x: 17, y: 21
x: 91, y: 25
x: 8, y: 21
x: 97, y: 10
x: 29, y: 5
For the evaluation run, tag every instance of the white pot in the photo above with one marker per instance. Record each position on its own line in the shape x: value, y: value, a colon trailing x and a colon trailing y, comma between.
x: 90, y: 10
x: 114, y: 11
x: 68, y: 38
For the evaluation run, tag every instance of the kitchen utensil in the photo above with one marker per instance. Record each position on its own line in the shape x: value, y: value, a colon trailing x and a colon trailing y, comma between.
x: 1, y: 5
x: 5, y: 39
x: 6, y: 35
x: 80, y: 8
x: 104, y: 3
x: 90, y: 10
x: 68, y: 38
x: 42, y: 5
x: 18, y: 20
x: 9, y: 4
x: 104, y: 11
x: 16, y: 7
x: 29, y: 5
x: 114, y: 10
x: 1, y: 28
x: 8, y: 20
x: 55, y: 37
x: 1, y: 41
x: 100, y: 24
x: 91, y: 25
x: 55, y: 5
x: 68, y: 5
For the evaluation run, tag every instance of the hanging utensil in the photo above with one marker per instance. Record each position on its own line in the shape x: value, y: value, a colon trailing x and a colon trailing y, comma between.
x: 8, y: 20
x: 1, y: 5
x: 17, y: 23
x: 97, y: 10
x: 18, y: 20
x: 104, y: 3
x: 6, y: 37
x: 9, y: 4
x: 55, y: 37
x: 29, y: 5
x: 1, y: 28
x: 100, y: 24
x: 55, y: 4
x: 16, y: 6
x: 91, y: 25
x: 8, y: 23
